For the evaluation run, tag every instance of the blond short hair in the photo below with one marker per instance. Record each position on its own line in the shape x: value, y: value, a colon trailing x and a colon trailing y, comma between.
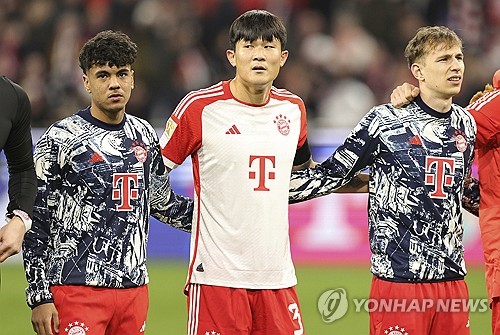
x: 428, y: 38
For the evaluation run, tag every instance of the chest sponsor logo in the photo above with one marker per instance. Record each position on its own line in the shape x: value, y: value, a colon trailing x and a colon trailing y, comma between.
x: 264, y: 170
x: 283, y: 124
x: 439, y: 173
x: 125, y: 190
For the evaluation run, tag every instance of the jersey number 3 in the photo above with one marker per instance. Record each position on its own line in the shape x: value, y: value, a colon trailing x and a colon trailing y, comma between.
x: 294, y: 309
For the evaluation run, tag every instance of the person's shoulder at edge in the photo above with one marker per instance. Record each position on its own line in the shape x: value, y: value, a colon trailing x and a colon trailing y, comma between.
x: 388, y: 110
x: 275, y: 91
x: 462, y: 110
x: 4, y: 80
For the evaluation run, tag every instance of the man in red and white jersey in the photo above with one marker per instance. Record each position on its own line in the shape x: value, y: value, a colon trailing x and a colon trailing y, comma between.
x: 244, y: 137
x: 485, y: 107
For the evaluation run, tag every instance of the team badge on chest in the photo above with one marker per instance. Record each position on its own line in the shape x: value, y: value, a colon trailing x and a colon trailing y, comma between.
x: 460, y: 140
x: 140, y: 151
x: 283, y: 124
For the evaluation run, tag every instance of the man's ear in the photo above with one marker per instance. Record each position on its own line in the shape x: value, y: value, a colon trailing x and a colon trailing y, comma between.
x: 416, y: 70
x: 284, y: 57
x: 231, y: 57
x: 86, y: 84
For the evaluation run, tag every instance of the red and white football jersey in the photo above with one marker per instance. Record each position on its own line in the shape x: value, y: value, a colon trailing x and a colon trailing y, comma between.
x: 242, y: 158
x: 486, y: 112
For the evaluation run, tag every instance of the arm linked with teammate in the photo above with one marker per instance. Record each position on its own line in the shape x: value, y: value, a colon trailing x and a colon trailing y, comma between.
x: 471, y: 195
x: 353, y: 156
x: 404, y: 94
x: 167, y: 206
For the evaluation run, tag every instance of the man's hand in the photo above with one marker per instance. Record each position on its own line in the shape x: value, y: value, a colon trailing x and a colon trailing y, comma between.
x: 42, y: 317
x: 11, y: 238
x: 404, y: 94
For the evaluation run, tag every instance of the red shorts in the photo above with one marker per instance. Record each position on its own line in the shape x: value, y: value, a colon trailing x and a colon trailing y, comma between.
x: 495, y: 316
x: 238, y: 311
x: 419, y: 309
x: 101, y: 311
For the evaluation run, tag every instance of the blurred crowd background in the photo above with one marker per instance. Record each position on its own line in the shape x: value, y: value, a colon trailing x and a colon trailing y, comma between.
x: 345, y: 55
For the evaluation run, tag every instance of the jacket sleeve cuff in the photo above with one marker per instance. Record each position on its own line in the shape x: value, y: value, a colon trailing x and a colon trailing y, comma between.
x: 41, y: 303
x: 35, y: 299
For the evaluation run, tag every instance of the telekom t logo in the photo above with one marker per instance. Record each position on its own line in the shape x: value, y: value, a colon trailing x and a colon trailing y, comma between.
x: 123, y: 189
x: 439, y: 173
x: 262, y: 173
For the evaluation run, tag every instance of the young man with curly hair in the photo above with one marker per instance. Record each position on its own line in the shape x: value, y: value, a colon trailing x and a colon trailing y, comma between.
x: 99, y: 174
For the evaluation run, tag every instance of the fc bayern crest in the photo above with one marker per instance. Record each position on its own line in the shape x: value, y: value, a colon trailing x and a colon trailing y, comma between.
x: 396, y: 330
x: 460, y: 141
x: 140, y: 151
x: 283, y: 124
x: 76, y: 328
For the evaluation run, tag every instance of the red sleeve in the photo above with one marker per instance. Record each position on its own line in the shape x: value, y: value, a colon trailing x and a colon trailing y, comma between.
x: 486, y: 113
x: 182, y: 135
x: 303, y: 153
x: 487, y: 135
x: 303, y: 125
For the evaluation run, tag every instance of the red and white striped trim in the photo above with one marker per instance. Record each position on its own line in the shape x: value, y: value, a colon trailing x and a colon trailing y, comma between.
x: 283, y: 92
x: 212, y: 91
x: 194, y: 308
x: 477, y: 105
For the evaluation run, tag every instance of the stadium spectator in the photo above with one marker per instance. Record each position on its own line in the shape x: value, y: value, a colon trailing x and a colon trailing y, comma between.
x: 419, y: 158
x: 16, y: 141
x: 99, y: 174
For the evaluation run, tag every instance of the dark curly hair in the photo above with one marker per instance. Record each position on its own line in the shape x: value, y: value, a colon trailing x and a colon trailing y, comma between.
x: 113, y: 47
